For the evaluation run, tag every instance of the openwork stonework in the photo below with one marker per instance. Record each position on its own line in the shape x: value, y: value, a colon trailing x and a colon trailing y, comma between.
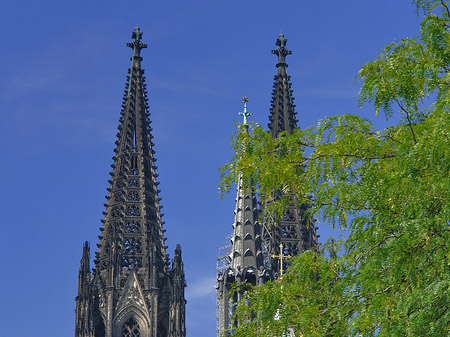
x: 134, y: 289
x: 131, y: 328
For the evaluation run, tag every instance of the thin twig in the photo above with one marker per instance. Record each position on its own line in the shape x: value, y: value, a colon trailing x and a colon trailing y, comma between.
x: 409, y: 120
x: 446, y: 7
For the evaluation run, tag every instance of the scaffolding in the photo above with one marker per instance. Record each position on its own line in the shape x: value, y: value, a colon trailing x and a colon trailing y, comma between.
x: 223, y: 262
x: 223, y: 259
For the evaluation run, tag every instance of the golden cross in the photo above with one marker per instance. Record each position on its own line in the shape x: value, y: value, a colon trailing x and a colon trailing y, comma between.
x: 281, y: 256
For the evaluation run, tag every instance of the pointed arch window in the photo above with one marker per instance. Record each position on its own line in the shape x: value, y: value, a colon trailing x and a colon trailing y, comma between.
x: 131, y: 328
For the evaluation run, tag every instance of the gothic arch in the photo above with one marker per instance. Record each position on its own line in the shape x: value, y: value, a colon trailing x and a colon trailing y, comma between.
x: 136, y: 314
x: 248, y: 252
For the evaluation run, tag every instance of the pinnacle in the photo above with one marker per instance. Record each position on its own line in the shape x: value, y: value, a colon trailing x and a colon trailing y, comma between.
x: 281, y: 52
x: 245, y: 113
x: 137, y: 36
x: 136, y: 45
x: 282, y: 112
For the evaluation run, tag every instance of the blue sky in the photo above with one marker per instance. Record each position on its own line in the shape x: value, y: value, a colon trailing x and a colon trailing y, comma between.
x: 63, y: 68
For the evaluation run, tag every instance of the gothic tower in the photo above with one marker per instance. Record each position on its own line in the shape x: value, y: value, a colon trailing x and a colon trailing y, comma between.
x: 134, y: 290
x: 258, y: 246
x: 245, y: 259
x: 295, y: 232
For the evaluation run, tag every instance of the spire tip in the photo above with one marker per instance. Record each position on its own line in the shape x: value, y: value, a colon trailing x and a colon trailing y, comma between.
x: 136, y: 44
x: 281, y: 52
x: 245, y: 113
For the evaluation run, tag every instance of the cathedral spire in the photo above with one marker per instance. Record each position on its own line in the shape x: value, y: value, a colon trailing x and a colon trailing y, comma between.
x: 246, y: 241
x: 132, y: 284
x: 246, y: 258
x: 132, y: 232
x: 282, y: 111
x: 295, y: 232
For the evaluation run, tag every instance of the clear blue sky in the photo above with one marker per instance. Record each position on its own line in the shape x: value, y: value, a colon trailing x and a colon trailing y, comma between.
x: 63, y: 67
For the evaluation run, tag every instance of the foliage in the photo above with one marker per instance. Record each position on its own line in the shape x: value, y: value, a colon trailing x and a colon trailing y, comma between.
x: 389, y: 189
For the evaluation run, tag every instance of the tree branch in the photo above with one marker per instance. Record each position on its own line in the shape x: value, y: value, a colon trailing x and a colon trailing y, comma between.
x: 409, y: 120
x: 444, y: 4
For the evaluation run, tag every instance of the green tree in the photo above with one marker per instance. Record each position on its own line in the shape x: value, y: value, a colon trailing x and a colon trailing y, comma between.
x: 389, y: 189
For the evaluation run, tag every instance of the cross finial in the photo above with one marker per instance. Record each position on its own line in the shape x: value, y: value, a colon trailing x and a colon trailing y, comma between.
x: 136, y: 35
x: 281, y: 256
x: 281, y: 40
x: 136, y: 59
x: 137, y: 45
x: 245, y: 113
x: 281, y: 52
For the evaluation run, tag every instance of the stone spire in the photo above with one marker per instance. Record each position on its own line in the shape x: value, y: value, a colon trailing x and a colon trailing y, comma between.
x: 132, y: 234
x: 132, y: 276
x: 246, y: 258
x: 246, y: 240
x: 282, y: 111
x: 295, y: 232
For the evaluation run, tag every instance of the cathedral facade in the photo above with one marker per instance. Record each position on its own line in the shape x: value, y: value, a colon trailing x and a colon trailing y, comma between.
x: 134, y: 290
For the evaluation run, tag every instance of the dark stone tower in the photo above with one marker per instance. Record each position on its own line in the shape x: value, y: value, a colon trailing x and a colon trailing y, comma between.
x: 259, y: 245
x: 134, y: 290
x: 246, y: 258
x: 296, y: 232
